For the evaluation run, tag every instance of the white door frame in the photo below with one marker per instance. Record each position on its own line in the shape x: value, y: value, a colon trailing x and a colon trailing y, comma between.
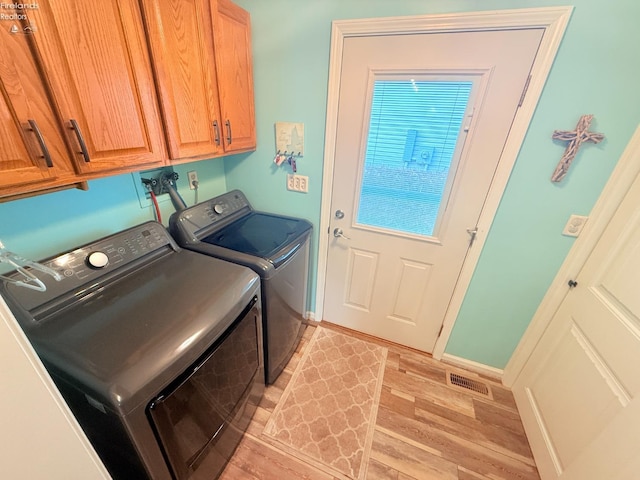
x: 619, y: 183
x: 554, y: 20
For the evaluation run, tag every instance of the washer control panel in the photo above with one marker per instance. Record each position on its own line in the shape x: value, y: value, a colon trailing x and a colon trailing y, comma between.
x: 93, y: 261
x: 216, y: 211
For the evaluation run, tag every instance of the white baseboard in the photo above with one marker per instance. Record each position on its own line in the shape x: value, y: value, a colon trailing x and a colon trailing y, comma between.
x: 473, y: 366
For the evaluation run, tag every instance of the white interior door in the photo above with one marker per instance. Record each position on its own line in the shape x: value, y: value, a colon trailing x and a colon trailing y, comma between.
x: 422, y: 121
x: 578, y: 392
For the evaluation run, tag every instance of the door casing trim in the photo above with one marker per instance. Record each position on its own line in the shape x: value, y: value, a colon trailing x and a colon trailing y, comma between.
x: 553, y: 20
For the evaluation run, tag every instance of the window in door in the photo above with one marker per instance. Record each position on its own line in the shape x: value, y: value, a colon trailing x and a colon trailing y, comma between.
x: 412, y: 148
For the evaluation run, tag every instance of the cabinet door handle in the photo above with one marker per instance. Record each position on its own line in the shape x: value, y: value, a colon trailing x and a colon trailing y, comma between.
x: 83, y: 146
x: 43, y: 145
x: 216, y: 133
x: 229, y: 136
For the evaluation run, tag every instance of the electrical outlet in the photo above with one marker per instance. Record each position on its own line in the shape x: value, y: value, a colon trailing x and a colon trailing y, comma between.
x: 575, y: 225
x: 192, y: 177
x: 298, y: 183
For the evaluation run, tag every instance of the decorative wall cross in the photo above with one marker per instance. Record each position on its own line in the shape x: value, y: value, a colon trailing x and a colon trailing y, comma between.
x: 575, y: 138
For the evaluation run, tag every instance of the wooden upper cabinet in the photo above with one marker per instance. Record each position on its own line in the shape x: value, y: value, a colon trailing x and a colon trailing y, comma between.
x: 95, y: 58
x: 81, y: 98
x: 33, y: 153
x: 181, y: 42
x: 201, y: 52
x: 234, y: 67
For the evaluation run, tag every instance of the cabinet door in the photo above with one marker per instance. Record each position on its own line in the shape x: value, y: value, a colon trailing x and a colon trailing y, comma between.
x: 33, y: 154
x: 232, y: 41
x: 181, y: 42
x: 95, y: 58
x: 18, y: 165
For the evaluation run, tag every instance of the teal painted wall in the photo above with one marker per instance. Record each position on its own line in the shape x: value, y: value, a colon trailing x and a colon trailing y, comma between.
x: 42, y: 226
x: 596, y: 71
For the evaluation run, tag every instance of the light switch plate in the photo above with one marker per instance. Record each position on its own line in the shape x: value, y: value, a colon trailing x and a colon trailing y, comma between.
x: 298, y: 183
x: 575, y: 225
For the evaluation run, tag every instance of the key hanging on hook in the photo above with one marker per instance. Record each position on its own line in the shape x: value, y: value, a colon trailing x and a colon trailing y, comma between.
x: 292, y: 161
x: 279, y: 158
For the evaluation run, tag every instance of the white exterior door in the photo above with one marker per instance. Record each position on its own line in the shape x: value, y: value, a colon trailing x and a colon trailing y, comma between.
x: 405, y: 207
x: 578, y: 392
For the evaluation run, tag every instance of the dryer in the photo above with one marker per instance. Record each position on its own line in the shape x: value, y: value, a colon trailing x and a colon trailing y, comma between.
x: 156, y: 349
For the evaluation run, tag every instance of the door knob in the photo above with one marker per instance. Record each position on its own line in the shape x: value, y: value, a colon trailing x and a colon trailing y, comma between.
x: 337, y: 232
x: 339, y: 214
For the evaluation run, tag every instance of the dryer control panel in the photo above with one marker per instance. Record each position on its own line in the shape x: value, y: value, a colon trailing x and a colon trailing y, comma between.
x: 85, y: 267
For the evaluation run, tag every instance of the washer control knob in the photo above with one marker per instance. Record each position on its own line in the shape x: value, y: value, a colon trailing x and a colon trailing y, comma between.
x: 97, y: 259
x: 218, y: 208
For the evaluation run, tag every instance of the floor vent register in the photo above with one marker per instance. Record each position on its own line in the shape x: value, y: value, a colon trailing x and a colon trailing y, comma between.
x: 470, y: 385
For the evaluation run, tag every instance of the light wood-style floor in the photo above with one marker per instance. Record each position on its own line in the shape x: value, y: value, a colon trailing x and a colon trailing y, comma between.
x: 425, y: 429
